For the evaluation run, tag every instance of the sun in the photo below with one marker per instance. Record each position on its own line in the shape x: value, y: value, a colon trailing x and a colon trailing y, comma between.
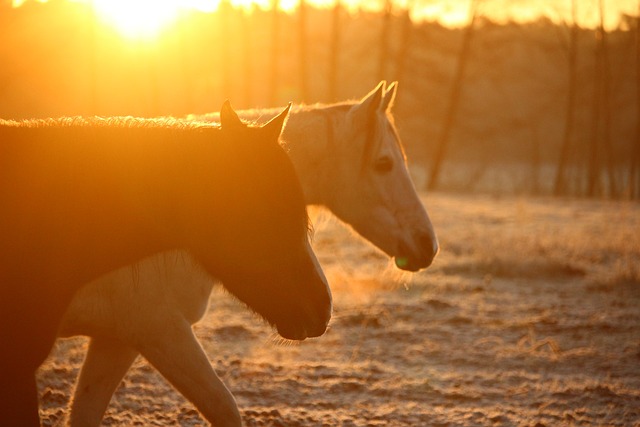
x: 136, y: 18
x: 146, y: 18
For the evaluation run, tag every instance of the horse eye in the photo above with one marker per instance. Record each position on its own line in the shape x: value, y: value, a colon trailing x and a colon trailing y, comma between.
x: 383, y: 164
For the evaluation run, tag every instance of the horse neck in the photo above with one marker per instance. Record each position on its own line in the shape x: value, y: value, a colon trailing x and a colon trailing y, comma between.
x: 85, y: 185
x: 314, y: 140
x: 149, y: 170
x: 311, y: 138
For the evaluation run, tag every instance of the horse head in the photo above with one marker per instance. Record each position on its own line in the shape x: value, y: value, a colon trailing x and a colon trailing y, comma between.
x: 267, y: 260
x: 379, y: 199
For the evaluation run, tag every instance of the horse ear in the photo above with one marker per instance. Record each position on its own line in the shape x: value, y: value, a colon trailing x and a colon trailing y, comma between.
x: 370, y: 103
x: 274, y: 126
x: 389, y: 97
x: 228, y: 117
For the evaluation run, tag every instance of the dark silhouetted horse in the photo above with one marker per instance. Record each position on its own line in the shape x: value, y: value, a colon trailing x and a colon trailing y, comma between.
x: 82, y: 197
x: 348, y: 157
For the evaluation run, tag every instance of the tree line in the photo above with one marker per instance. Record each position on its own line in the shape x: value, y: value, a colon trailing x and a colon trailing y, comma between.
x: 561, y: 100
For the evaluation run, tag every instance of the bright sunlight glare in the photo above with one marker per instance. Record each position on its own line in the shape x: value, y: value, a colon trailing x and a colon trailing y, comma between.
x: 145, y: 19
x: 138, y: 18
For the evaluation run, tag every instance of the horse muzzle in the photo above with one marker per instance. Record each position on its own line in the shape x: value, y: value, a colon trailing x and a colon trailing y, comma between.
x: 313, y: 323
x: 312, y: 317
x: 418, y: 254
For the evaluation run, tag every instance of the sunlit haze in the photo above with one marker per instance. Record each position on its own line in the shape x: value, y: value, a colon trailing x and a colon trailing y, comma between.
x: 147, y: 18
x: 140, y: 18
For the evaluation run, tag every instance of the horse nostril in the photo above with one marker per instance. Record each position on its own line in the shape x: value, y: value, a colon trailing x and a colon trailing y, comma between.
x: 419, y: 253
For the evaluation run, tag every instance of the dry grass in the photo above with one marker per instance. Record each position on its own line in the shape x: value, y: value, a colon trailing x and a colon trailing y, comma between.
x: 536, y: 238
x: 528, y: 317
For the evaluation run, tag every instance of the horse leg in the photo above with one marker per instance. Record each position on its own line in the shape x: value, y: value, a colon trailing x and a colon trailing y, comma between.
x: 18, y: 397
x: 178, y: 356
x: 27, y: 332
x: 105, y: 365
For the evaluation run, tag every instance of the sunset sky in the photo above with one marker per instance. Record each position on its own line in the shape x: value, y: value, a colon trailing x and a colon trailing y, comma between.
x: 148, y: 17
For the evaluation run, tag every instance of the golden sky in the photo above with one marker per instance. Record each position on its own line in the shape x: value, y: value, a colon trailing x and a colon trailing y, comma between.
x: 145, y: 18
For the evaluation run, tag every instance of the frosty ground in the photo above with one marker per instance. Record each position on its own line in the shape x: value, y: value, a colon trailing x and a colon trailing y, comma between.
x: 530, y: 316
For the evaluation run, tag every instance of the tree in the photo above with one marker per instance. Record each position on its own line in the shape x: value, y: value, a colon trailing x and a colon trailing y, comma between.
x: 600, y: 142
x: 606, y: 106
x: 454, y: 98
x: 334, y: 51
x: 224, y: 12
x: 247, y: 36
x: 405, y: 41
x: 304, y: 47
x: 275, y: 53
x: 634, y: 170
x: 560, y: 184
x: 384, y: 39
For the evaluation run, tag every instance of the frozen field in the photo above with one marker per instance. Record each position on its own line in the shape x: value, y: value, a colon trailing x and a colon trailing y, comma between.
x: 530, y: 316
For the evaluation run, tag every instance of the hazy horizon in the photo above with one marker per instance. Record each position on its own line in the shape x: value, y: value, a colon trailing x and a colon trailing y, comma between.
x: 448, y: 13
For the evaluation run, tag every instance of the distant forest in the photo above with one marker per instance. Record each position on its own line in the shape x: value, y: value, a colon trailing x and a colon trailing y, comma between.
x: 535, y: 108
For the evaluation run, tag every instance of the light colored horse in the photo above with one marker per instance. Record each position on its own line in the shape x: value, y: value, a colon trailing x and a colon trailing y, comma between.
x: 348, y: 158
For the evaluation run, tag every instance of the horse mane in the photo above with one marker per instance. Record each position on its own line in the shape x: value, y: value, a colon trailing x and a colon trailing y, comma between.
x: 373, y: 129
x: 116, y: 122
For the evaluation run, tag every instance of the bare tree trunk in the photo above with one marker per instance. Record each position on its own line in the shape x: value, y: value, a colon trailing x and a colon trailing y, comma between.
x: 186, y: 67
x: 246, y: 56
x: 334, y: 51
x: 536, y: 162
x: 384, y: 39
x: 93, y: 62
x: 634, y: 170
x: 405, y: 42
x: 302, y: 39
x: 454, y: 99
x: 275, y: 52
x: 223, y: 13
x: 560, y: 185
x: 594, y: 167
x: 607, y: 143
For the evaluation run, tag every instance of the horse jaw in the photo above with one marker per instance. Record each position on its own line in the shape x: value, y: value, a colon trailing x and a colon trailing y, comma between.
x: 406, y: 234
x: 416, y: 243
x: 387, y: 211
x: 318, y: 319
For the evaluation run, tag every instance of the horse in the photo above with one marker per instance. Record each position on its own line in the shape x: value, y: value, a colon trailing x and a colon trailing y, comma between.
x: 83, y: 197
x: 348, y: 157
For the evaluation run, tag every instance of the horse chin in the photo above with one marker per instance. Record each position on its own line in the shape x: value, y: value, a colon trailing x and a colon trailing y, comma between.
x: 300, y: 334
x: 410, y: 264
x: 416, y: 260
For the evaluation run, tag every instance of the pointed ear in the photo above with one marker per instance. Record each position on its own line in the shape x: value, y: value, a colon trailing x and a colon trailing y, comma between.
x: 389, y: 97
x: 369, y: 104
x: 274, y: 126
x: 228, y: 117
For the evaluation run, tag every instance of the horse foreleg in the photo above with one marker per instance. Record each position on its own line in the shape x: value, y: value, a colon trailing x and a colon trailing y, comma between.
x: 177, y: 354
x: 18, y: 397
x: 105, y: 365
